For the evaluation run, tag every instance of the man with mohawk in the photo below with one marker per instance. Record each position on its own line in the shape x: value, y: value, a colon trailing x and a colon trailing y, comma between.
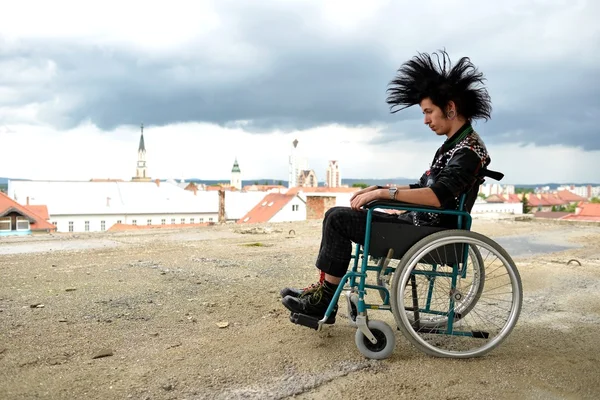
x: 450, y: 97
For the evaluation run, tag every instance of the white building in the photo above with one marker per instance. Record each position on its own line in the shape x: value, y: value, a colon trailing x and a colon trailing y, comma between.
x: 483, y: 208
x: 587, y: 192
x: 296, y: 165
x: 488, y: 189
x: 333, y: 178
x: 75, y: 206
x: 277, y: 207
x: 238, y: 204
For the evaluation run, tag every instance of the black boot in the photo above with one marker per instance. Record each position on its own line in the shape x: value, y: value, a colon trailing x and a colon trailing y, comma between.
x: 299, y: 292
x: 313, y: 304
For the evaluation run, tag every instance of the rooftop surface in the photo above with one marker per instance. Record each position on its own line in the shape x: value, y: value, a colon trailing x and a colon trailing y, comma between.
x: 196, y: 314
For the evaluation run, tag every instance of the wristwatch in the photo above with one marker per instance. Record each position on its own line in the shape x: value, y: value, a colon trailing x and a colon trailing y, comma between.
x: 393, y: 191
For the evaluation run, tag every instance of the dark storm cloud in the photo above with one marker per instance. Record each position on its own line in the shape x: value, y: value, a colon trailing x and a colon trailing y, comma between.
x: 322, y: 85
x: 305, y: 80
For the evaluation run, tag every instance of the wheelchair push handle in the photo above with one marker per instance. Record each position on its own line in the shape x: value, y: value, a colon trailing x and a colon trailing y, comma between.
x: 495, y: 175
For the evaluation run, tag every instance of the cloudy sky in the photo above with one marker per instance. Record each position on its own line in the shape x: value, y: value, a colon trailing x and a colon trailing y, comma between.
x: 215, y: 80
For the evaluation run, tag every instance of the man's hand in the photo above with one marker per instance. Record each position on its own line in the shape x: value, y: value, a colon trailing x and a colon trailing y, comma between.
x: 365, y: 190
x: 360, y: 199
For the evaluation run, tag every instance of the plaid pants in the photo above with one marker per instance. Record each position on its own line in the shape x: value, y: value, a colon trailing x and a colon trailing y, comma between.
x: 343, y: 226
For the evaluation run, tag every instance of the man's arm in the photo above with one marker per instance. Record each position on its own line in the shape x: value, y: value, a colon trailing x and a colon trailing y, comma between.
x: 403, y: 187
x: 421, y: 196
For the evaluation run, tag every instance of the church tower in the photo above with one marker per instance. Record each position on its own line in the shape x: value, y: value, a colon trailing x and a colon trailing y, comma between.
x: 141, y: 173
x: 296, y: 165
x: 236, y: 176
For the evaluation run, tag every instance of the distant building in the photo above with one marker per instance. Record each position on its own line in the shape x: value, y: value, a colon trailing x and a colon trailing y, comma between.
x: 17, y: 219
x: 333, y: 178
x: 307, y: 178
x: 97, y: 206
x: 496, y: 207
x: 488, y: 189
x: 141, y: 173
x: 276, y: 207
x: 586, y: 192
x: 296, y: 165
x: 236, y: 176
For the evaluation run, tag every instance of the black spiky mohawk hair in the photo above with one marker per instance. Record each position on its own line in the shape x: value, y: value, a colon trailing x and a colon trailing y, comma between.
x: 422, y: 77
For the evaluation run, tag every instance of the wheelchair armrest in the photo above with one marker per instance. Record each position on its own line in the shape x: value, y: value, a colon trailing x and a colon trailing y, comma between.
x: 399, y: 205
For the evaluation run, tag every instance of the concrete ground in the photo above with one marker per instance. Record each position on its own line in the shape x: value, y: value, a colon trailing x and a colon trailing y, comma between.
x: 196, y: 314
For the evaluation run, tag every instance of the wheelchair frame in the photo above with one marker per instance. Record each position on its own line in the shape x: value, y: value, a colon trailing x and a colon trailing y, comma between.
x: 358, y: 285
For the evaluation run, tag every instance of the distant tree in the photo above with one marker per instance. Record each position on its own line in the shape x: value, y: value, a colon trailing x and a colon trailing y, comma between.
x: 571, y: 208
x: 280, y: 183
x: 595, y: 200
x: 481, y: 195
x: 523, y: 190
x: 526, y: 206
x: 256, y: 182
x: 360, y: 185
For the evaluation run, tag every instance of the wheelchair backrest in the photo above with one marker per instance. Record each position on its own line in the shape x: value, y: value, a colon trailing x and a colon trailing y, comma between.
x: 467, y: 199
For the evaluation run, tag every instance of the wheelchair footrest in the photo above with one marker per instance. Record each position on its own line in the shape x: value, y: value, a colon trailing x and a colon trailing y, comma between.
x: 305, y: 320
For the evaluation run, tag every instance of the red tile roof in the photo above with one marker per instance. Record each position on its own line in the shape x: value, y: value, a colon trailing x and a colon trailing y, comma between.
x: 536, y: 201
x: 495, y: 198
x: 569, y: 196
x: 42, y: 211
x: 590, y: 209
x: 573, y: 217
x: 512, y: 198
x: 587, y: 212
x: 37, y: 222
x: 554, y: 200
x: 266, y: 209
x: 550, y: 214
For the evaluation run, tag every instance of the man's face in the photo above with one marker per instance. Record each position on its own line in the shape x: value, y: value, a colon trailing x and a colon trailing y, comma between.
x: 435, y: 117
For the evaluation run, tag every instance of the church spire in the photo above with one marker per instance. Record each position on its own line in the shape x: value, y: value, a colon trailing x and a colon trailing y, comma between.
x: 236, y: 166
x: 141, y: 171
x: 142, y: 146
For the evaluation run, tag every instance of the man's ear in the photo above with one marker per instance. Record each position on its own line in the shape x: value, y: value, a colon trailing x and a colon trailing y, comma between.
x: 451, y: 106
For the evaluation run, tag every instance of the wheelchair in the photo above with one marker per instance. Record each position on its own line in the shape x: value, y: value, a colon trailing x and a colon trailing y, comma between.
x: 453, y: 293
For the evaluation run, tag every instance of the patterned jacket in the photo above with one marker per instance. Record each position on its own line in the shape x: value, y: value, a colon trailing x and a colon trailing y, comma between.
x: 454, y: 171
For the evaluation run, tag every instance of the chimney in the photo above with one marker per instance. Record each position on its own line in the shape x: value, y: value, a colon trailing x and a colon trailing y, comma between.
x: 221, y: 206
x: 157, y: 181
x: 195, y: 189
x: 27, y: 200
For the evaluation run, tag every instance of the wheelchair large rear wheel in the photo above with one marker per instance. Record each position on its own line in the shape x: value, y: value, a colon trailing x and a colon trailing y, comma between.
x: 429, y: 305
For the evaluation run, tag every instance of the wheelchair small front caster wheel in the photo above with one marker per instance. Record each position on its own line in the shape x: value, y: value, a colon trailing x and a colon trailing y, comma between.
x: 386, y: 341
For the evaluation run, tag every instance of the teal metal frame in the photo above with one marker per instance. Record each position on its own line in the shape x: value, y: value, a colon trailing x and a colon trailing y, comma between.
x: 464, y: 222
